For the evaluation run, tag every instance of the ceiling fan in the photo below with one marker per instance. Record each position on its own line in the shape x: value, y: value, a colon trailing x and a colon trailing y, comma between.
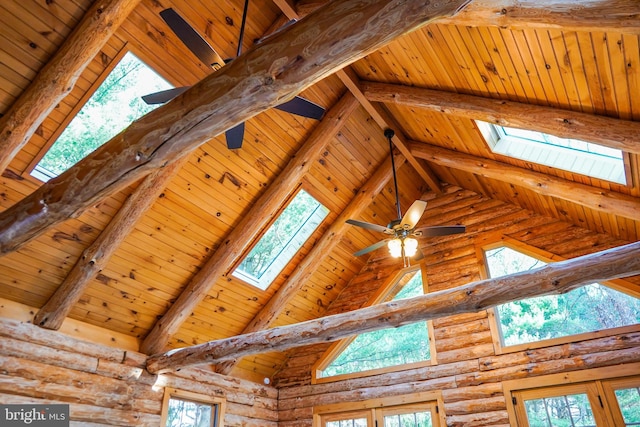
x: 205, y: 53
x: 402, y: 232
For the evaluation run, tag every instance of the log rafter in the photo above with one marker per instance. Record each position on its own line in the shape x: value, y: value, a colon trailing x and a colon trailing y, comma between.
x: 97, y: 255
x: 247, y: 230
x: 263, y: 77
x: 574, y: 192
x: 553, y: 278
x: 607, y: 131
x: 60, y: 74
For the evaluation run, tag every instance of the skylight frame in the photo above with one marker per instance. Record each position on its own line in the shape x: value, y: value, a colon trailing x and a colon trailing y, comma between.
x: 595, y: 160
x: 293, y: 244
x: 36, y: 169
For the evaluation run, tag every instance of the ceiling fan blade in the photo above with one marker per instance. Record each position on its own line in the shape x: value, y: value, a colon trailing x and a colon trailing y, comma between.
x: 192, y: 39
x: 164, y: 95
x: 369, y: 226
x: 234, y: 136
x: 413, y: 215
x: 302, y: 107
x: 371, y: 248
x: 443, y: 230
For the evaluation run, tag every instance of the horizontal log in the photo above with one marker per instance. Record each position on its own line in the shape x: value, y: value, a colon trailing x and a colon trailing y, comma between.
x: 553, y: 278
x: 607, y: 131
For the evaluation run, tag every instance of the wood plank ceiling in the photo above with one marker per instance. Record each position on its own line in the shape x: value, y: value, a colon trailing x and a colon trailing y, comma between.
x: 564, y: 62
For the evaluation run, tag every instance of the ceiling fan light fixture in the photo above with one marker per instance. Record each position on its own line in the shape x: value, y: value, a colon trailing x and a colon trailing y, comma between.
x: 410, y: 247
x: 395, y: 247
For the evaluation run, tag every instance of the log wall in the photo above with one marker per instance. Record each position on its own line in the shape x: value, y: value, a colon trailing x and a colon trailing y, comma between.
x: 469, y: 372
x: 105, y: 386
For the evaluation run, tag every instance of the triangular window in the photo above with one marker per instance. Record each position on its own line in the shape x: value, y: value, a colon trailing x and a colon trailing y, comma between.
x: 282, y: 240
x: 589, y: 308
x: 113, y: 106
x: 573, y: 155
x: 385, y: 348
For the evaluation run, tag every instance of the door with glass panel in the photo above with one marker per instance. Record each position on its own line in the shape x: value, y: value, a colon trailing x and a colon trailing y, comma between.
x: 412, y: 415
x: 606, y: 403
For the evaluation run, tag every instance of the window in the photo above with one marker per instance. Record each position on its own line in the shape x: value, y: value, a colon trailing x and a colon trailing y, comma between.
x: 373, y: 351
x: 591, y: 398
x: 281, y: 241
x: 186, y: 409
x: 586, y: 309
x: 419, y: 410
x: 572, y: 155
x: 113, y: 106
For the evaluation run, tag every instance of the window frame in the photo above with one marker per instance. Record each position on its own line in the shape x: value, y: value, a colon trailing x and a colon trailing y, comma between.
x: 620, y: 285
x: 55, y: 135
x: 213, y: 401
x: 279, y: 212
x: 375, y: 409
x: 389, y: 288
x: 601, y: 381
x: 494, y: 136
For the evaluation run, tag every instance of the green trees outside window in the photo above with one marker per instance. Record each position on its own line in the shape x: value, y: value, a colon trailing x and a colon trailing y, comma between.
x: 586, y: 309
x: 113, y: 106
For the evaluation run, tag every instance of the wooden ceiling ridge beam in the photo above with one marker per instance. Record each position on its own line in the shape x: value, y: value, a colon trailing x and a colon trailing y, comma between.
x: 332, y: 237
x: 385, y: 120
x: 98, y: 254
x: 569, y: 15
x: 607, y: 131
x: 554, y: 278
x: 247, y: 230
x: 584, y: 195
x: 58, y: 77
x: 261, y: 78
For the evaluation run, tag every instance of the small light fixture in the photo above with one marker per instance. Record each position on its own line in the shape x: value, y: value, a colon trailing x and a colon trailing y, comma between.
x: 395, y: 247
x: 410, y: 246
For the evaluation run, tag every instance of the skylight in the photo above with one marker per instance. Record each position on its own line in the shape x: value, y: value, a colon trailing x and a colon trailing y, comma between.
x: 112, y: 107
x: 281, y: 241
x: 573, y: 155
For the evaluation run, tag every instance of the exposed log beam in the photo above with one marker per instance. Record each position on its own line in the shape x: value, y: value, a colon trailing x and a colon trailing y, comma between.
x: 58, y: 77
x: 263, y: 77
x: 247, y: 230
x: 98, y: 254
x: 567, y: 15
x: 303, y: 271
x: 574, y: 192
x: 384, y: 120
x: 607, y: 131
x: 553, y: 278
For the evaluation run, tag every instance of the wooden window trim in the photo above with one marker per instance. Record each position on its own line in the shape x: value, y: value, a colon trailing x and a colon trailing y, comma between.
x: 337, y: 347
x: 196, y: 397
x: 416, y: 400
x: 620, y: 285
x: 618, y: 373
